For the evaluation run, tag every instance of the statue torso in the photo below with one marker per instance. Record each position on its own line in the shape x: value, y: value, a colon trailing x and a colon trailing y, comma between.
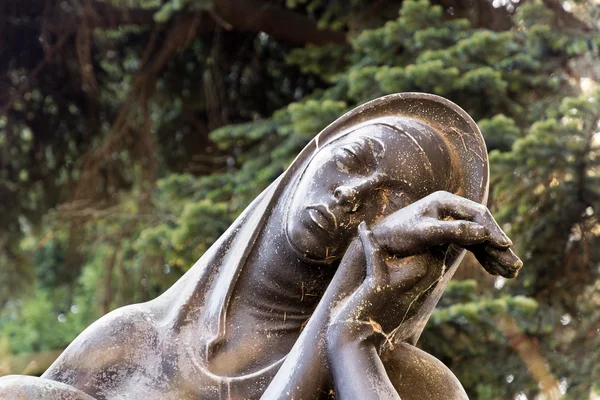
x: 164, y: 349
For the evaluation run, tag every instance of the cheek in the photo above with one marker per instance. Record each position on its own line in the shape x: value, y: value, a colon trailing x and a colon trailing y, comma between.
x: 384, y: 203
x: 318, y: 177
x: 323, y: 183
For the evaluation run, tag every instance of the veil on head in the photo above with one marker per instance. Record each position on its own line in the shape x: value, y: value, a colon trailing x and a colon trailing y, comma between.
x: 468, y: 155
x: 216, y: 273
x: 453, y: 125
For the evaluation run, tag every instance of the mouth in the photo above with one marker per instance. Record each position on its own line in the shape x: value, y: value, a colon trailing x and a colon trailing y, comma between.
x: 322, y: 217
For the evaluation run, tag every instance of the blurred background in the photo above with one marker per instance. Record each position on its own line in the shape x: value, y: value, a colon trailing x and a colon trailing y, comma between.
x: 133, y: 132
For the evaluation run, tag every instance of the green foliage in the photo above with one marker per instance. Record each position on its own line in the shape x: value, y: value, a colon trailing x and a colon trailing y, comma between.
x: 326, y: 61
x: 229, y: 114
x: 547, y: 185
x: 187, y: 227
x: 35, y: 324
x: 499, y: 132
x: 173, y: 6
x: 556, y: 165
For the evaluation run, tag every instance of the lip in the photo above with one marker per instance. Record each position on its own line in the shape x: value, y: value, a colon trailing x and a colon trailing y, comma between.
x: 321, y: 217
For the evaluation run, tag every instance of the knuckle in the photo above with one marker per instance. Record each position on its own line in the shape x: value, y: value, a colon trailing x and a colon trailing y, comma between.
x: 433, y: 205
x: 440, y: 194
x: 428, y: 225
x: 481, y: 210
x: 444, y: 196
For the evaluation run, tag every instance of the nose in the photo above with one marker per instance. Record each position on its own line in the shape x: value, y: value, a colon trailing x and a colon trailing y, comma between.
x: 352, y: 195
x: 345, y: 194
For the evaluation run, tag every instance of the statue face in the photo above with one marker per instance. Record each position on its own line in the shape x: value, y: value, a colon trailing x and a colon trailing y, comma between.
x: 362, y: 176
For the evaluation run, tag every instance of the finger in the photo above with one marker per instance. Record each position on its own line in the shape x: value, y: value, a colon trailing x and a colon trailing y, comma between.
x: 462, y: 233
x: 498, y: 238
x: 456, y: 207
x: 498, y: 262
x: 376, y: 266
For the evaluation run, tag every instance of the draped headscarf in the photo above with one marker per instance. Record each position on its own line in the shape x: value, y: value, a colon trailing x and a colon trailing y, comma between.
x: 189, y: 319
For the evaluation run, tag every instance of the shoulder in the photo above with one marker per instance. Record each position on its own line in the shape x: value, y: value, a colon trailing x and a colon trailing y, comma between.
x: 30, y: 387
x: 108, y: 351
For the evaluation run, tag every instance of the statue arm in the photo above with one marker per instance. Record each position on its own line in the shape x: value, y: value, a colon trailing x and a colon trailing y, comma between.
x: 305, y: 373
x: 357, y: 331
x: 440, y: 218
x: 356, y: 367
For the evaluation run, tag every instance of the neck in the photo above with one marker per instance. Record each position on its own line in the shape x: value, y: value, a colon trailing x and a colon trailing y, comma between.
x: 273, y: 298
x: 279, y: 276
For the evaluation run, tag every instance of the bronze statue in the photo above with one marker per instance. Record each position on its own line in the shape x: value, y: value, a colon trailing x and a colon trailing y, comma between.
x: 323, y: 285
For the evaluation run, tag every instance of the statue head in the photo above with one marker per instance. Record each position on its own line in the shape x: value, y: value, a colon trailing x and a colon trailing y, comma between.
x: 377, y: 159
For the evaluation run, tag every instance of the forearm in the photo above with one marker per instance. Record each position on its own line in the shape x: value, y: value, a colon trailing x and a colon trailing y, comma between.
x: 305, y: 372
x: 355, y: 336
x: 356, y: 368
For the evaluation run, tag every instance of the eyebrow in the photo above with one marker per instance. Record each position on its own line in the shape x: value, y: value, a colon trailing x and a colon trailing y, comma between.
x: 378, y: 141
x: 372, y: 149
x: 376, y: 145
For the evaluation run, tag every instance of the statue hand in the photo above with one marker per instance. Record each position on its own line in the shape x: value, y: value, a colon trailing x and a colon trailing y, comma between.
x: 378, y: 279
x: 445, y: 218
x: 377, y: 304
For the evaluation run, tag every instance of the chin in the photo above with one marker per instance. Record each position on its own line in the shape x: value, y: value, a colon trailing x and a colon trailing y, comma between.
x: 305, y: 243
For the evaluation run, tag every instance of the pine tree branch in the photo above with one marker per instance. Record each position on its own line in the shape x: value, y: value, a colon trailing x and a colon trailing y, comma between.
x: 564, y: 18
x: 276, y: 21
x: 530, y: 354
x: 107, y: 16
x: 244, y: 15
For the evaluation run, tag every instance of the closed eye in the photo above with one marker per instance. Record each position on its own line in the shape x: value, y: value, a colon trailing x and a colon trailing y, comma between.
x: 355, y: 157
x: 352, y: 153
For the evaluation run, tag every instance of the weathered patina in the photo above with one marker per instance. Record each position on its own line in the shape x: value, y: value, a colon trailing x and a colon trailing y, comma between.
x: 323, y: 284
